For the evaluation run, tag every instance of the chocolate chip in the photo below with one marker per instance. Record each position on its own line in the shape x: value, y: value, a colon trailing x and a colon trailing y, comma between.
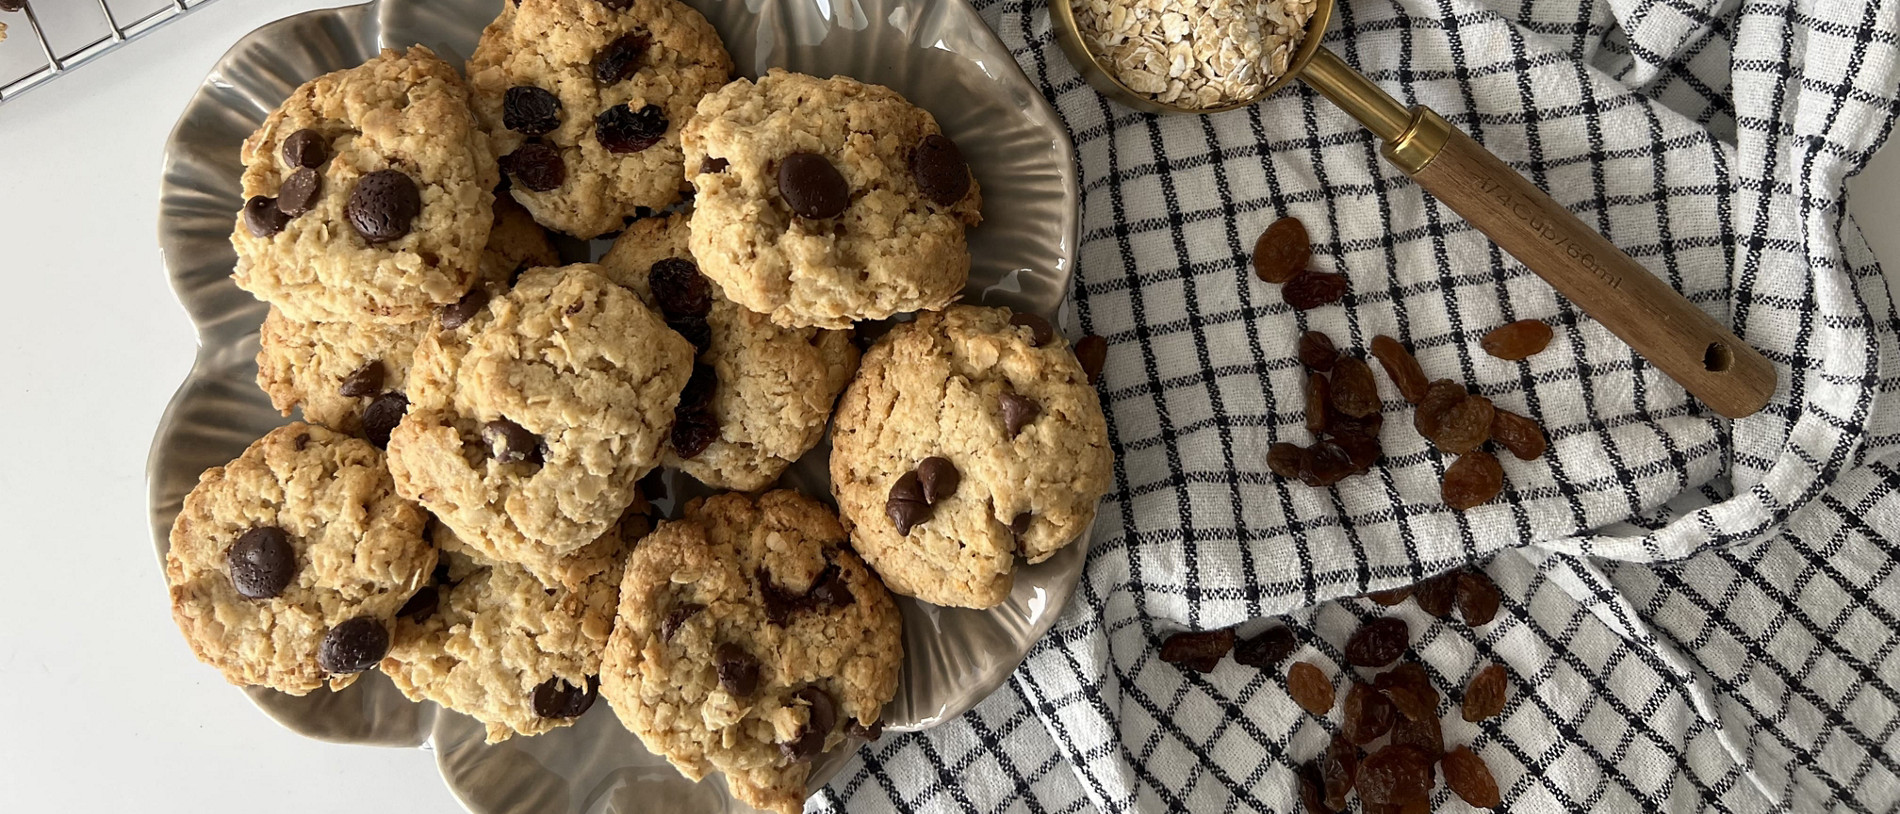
x: 555, y: 698
x: 620, y: 59
x: 382, y: 416
x: 869, y: 733
x: 1040, y: 331
x: 616, y: 5
x: 624, y: 130
x: 383, y: 206
x: 366, y: 381
x: 299, y: 192
x: 938, y: 478
x: 511, y: 443
x: 738, y: 670
x: 536, y: 166
x: 262, y: 217
x: 1020, y: 525
x: 812, y: 187
x: 1018, y: 412
x: 306, y: 148
x: 531, y: 111
x: 422, y: 605
x: 829, y: 589
x: 458, y: 313
x: 821, y: 717
x: 677, y: 617
x: 353, y: 646
x: 1092, y: 352
x: 262, y: 562
x: 303, y: 440
x: 712, y: 164
x: 940, y: 171
x: 679, y: 288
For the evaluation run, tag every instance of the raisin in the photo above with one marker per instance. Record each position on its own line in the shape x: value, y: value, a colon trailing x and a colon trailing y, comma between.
x: 1319, y: 397
x: 1286, y: 459
x: 1267, y: 649
x: 530, y: 111
x: 1435, y: 595
x: 1325, y: 464
x: 621, y: 129
x: 1363, y: 451
x: 1341, y: 424
x: 1092, y: 353
x: 1485, y: 695
x: 1517, y: 340
x: 1338, y: 771
x: 1378, y: 643
x: 1396, y: 775
x: 1355, y: 392
x: 679, y: 289
x: 1281, y: 251
x: 1309, y: 687
x: 1410, y: 690
x: 619, y: 59
x: 1311, y: 289
x: 1392, y: 597
x: 1472, y: 480
x: 1477, y: 598
x: 1366, y: 714
x: 1401, y: 366
x: 1470, y: 779
x: 1440, y: 397
x: 1313, y: 790
x: 536, y: 166
x: 1522, y: 436
x: 1317, y: 351
x: 1425, y: 733
x: 1198, y: 650
x: 1466, y: 426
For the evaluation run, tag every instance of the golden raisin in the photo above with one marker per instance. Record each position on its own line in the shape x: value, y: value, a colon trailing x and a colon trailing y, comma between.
x: 1486, y: 694
x: 1410, y: 690
x: 1478, y: 598
x: 1470, y: 779
x: 1317, y: 351
x: 1309, y: 687
x: 1311, y: 289
x: 1325, y: 464
x: 1440, y: 397
x: 1424, y: 733
x: 1401, y: 367
x: 1391, y: 597
x: 1354, y: 391
x: 1366, y: 714
x: 1199, y: 651
x: 1472, y: 480
x: 1466, y: 426
x: 1281, y: 251
x: 1319, y: 399
x: 1436, y: 595
x: 1379, y: 642
x: 1338, y: 771
x: 1522, y: 436
x: 1396, y: 775
x: 1517, y: 340
x: 1286, y: 459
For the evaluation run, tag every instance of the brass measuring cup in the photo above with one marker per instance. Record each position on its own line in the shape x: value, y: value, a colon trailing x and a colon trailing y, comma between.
x: 1702, y: 355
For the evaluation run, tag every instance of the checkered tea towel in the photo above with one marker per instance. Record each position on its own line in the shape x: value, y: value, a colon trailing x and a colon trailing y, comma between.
x: 1699, y: 614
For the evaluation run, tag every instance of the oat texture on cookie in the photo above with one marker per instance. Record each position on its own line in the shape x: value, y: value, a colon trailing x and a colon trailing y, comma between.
x: 749, y: 640
x: 368, y: 194
x: 583, y: 101
x: 530, y: 426
x: 969, y: 442
x: 288, y: 564
x: 826, y: 201
x: 761, y: 393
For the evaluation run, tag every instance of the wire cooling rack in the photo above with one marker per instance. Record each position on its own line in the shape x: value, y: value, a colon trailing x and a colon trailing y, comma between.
x: 50, y: 37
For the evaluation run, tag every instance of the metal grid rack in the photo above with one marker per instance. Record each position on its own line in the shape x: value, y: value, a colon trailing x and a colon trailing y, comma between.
x: 50, y: 37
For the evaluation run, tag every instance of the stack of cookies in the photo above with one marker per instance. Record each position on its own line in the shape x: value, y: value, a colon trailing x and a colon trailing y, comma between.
x: 461, y: 505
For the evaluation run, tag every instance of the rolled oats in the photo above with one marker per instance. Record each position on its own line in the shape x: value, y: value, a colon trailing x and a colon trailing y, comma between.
x: 1194, y: 53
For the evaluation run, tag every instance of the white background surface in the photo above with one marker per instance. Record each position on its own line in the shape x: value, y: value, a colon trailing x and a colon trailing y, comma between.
x: 102, y: 707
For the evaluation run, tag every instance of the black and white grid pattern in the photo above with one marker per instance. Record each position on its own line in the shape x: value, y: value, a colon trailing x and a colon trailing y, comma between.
x: 1700, y: 615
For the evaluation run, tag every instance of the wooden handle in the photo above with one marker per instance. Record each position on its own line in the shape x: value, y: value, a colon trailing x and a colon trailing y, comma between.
x: 1701, y: 354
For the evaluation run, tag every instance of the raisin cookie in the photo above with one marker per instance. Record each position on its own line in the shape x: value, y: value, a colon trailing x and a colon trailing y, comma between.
x: 749, y: 640
x: 530, y: 427
x: 338, y: 371
x: 368, y: 194
x: 583, y: 102
x: 490, y: 641
x: 761, y: 394
x: 826, y: 201
x: 288, y: 564
x: 970, y: 440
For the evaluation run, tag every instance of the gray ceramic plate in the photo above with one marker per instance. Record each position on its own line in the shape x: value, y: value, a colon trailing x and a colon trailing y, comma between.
x: 937, y: 53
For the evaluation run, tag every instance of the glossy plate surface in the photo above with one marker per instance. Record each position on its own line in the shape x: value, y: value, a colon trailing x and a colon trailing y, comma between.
x: 938, y: 54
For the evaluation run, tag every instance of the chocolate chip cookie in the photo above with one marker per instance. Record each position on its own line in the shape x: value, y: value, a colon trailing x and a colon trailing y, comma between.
x: 489, y: 640
x: 824, y: 201
x: 761, y: 394
x: 750, y: 639
x: 368, y: 194
x: 335, y: 370
x: 531, y: 425
x: 583, y: 101
x: 970, y: 440
x: 288, y: 564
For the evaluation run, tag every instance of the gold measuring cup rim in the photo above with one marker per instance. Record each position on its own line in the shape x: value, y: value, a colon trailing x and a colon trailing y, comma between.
x: 1069, y: 37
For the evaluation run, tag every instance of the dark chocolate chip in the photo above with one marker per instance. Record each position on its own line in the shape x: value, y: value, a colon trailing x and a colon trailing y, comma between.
x: 829, y: 589
x: 1040, y: 331
x: 353, y: 646
x: 299, y: 192
x: 1020, y: 525
x: 713, y: 165
x: 422, y: 605
x: 303, y: 440
x: 624, y: 130
x: 869, y: 733
x: 812, y: 187
x: 677, y: 617
x: 679, y: 288
x: 940, y: 171
x: 306, y: 148
x: 620, y: 59
x: 530, y: 110
x: 382, y: 416
x: 821, y: 717
x: 738, y: 670
x: 906, y: 514
x: 536, y: 166
x: 938, y: 477
x: 383, y: 206
x: 262, y: 562
x: 366, y: 381
x: 262, y: 218
x: 555, y: 698
x: 458, y: 313
x: 511, y: 443
x: 1018, y: 412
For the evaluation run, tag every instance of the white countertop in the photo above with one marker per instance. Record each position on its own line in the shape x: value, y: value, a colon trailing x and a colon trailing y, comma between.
x: 104, y: 708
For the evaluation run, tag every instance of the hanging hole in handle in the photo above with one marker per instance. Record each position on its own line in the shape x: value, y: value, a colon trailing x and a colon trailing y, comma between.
x: 1717, y: 358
